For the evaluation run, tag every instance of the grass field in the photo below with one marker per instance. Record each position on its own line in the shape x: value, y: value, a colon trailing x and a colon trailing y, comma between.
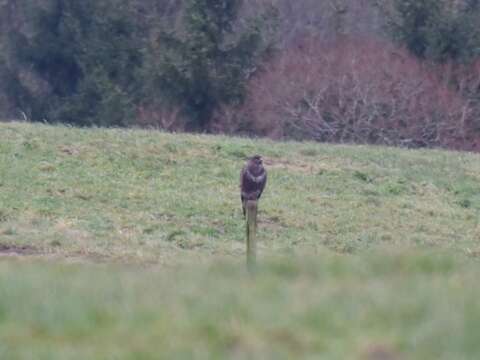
x: 129, y: 244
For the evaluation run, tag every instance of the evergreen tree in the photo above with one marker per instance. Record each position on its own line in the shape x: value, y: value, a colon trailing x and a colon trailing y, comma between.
x: 208, y: 63
x: 88, y: 54
x: 438, y: 29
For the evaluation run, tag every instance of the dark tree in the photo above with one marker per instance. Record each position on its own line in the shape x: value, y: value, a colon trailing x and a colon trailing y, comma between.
x: 87, y: 53
x: 207, y: 63
x: 439, y: 30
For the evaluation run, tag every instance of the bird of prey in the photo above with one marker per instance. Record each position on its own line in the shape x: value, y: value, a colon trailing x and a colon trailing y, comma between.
x: 252, y: 180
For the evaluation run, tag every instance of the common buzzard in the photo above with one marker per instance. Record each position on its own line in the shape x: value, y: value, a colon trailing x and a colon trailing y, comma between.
x: 252, y: 180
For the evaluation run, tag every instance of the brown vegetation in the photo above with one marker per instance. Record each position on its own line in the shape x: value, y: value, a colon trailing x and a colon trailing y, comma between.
x: 362, y: 91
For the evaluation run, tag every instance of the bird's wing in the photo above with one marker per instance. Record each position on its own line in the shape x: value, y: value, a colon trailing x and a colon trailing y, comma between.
x: 242, y: 175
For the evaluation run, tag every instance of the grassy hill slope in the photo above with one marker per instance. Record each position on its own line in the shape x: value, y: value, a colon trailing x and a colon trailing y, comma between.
x: 366, y: 252
x: 147, y: 196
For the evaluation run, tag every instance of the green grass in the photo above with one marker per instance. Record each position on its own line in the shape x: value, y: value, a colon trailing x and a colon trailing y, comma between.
x: 404, y: 306
x: 365, y: 252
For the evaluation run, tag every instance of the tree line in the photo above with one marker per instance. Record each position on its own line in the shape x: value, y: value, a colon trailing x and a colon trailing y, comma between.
x: 395, y: 72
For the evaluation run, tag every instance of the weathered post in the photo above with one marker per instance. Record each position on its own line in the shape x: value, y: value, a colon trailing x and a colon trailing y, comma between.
x: 251, y: 208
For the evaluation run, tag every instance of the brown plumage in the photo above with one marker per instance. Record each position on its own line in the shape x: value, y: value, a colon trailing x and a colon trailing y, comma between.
x: 252, y: 180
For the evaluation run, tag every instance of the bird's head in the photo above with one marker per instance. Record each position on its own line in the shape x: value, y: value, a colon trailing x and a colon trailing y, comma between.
x: 257, y: 160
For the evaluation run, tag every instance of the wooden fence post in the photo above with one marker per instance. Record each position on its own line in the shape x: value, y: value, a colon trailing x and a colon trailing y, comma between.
x: 251, y: 208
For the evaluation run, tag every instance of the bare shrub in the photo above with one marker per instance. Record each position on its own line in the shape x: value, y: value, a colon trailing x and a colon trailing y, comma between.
x: 466, y: 79
x: 355, y: 90
x: 160, y: 117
